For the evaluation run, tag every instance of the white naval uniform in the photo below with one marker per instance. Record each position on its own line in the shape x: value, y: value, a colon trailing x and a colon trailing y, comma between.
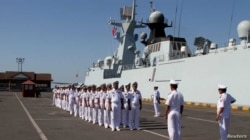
x: 79, y: 104
x: 225, y: 102
x: 87, y: 108
x: 106, y: 113
x: 90, y: 106
x: 64, y: 99
x: 83, y: 98
x: 116, y: 97
x: 101, y: 108
x: 76, y: 104
x: 175, y: 100
x: 96, y: 106
x: 61, y: 98
x: 67, y: 99
x: 156, y: 103
x: 134, y: 114
x: 54, y: 96
x: 71, y: 101
x: 125, y: 111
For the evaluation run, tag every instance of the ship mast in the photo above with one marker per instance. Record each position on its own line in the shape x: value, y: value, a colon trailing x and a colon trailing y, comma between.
x: 125, y: 52
x: 133, y: 10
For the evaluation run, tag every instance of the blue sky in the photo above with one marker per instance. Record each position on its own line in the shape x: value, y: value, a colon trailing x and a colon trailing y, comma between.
x: 64, y: 37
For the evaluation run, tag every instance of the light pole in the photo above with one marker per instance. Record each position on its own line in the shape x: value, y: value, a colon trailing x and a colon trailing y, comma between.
x: 20, y: 62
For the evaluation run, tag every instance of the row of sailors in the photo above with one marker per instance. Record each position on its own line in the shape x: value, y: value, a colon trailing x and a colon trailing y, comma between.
x: 107, y: 105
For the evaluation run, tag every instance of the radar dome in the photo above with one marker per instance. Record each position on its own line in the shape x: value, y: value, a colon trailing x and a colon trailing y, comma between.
x: 156, y: 17
x: 244, y: 29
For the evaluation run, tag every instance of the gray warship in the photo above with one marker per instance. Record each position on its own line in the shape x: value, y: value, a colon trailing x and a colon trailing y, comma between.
x: 166, y: 58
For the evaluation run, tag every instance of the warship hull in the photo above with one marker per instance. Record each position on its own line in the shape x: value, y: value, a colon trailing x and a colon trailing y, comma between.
x: 198, y: 76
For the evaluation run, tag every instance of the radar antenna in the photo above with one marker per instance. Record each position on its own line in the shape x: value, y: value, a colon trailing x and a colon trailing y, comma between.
x: 152, y: 6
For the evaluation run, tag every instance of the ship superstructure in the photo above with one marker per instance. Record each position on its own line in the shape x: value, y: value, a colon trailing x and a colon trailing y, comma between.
x: 166, y: 57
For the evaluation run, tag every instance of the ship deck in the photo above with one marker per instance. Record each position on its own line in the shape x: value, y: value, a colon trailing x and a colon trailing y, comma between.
x: 35, y: 118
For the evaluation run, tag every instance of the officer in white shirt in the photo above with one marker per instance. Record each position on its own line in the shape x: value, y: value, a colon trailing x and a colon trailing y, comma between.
x: 136, y: 106
x: 156, y: 101
x: 223, y: 111
x: 173, y: 112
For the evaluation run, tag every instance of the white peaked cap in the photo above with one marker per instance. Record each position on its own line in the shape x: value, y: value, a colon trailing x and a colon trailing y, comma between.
x: 220, y: 86
x: 173, y: 82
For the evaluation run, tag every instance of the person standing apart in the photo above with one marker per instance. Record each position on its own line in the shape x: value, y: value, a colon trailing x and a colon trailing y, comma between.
x: 173, y: 112
x: 156, y: 101
x: 136, y: 106
x: 223, y: 111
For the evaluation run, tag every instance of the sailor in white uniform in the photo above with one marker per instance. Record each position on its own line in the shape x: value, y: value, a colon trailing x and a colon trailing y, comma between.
x: 67, y: 98
x: 71, y: 99
x: 116, y: 105
x: 64, y: 98
x: 127, y: 107
x: 223, y: 110
x: 102, y: 101
x: 107, y: 107
x: 156, y: 101
x: 173, y: 112
x: 84, y: 104
x: 76, y: 104
x: 54, y: 95
x: 80, y: 101
x: 95, y: 102
x: 136, y: 106
x: 60, y: 97
x: 90, y: 103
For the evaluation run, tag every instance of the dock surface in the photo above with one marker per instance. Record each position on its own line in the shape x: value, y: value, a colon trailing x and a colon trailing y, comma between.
x: 36, y: 119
